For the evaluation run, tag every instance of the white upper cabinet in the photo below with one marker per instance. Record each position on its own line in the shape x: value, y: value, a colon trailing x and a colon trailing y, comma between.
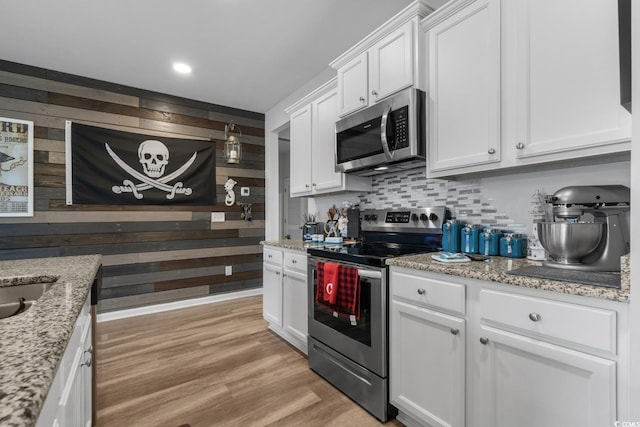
x: 300, y: 132
x: 386, y: 61
x: 521, y: 82
x: 313, y: 134
x: 464, y: 87
x: 353, y: 84
x: 564, y: 59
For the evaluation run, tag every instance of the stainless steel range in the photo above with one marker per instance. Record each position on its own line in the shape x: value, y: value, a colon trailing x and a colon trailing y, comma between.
x: 349, y: 346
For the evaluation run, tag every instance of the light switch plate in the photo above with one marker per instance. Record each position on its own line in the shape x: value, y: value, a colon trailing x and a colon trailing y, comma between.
x: 244, y: 191
x: 228, y: 270
x: 217, y: 216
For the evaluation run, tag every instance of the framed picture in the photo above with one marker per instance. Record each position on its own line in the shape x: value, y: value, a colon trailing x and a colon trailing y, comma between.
x: 16, y: 167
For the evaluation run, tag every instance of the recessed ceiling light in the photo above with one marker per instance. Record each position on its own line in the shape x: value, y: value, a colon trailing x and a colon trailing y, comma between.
x: 181, y: 68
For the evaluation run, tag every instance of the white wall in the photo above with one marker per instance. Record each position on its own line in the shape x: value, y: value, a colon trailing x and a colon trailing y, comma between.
x: 511, y: 194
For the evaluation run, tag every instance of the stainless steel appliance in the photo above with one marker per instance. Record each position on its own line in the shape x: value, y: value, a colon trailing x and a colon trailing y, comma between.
x: 390, y: 135
x: 353, y: 355
x: 595, y: 245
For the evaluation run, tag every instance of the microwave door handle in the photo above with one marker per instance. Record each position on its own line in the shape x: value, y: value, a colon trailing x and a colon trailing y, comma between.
x: 383, y: 133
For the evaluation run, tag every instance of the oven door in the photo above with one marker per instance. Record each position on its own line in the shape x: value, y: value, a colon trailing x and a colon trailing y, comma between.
x: 366, y: 341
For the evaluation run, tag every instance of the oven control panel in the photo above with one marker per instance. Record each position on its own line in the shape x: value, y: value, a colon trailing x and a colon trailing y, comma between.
x: 415, y: 220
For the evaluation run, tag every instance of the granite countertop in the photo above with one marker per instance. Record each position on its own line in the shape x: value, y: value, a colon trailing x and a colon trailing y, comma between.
x: 495, y: 271
x: 32, y: 343
x: 296, y: 245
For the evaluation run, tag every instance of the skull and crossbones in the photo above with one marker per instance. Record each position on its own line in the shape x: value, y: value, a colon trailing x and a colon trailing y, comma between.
x: 153, y: 156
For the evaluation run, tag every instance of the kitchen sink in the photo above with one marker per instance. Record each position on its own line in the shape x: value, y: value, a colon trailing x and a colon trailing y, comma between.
x: 16, y: 299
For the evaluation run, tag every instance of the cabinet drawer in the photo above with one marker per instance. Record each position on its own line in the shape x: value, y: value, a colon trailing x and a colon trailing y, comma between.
x: 572, y: 323
x: 272, y: 256
x: 426, y: 291
x: 295, y: 261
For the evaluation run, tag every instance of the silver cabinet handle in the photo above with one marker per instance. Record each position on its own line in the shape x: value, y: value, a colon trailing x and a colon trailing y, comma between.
x: 484, y: 341
x: 362, y: 99
x: 269, y: 256
x: 314, y: 184
x: 519, y: 145
x: 491, y: 151
x: 293, y: 261
x: 455, y: 331
x: 535, y: 317
x: 421, y: 291
x: 374, y: 93
x: 86, y: 362
x: 277, y: 273
x: 306, y: 186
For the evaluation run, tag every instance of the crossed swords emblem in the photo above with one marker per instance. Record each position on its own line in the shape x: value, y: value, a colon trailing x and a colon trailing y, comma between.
x: 129, y: 186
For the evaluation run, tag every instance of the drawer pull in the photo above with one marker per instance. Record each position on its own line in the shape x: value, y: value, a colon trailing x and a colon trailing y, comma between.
x: 519, y: 145
x: 362, y: 99
x: 293, y: 261
x: 455, y: 331
x: 269, y: 256
x: 491, y: 151
x: 484, y: 341
x: 535, y: 317
x: 421, y: 291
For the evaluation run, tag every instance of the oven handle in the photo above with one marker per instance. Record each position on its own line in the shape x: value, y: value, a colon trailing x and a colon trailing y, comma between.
x: 370, y: 274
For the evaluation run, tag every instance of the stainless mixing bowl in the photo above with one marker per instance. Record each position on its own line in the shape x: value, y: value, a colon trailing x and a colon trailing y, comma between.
x: 568, y: 243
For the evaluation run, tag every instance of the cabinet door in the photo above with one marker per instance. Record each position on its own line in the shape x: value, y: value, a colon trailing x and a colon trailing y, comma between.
x: 464, y: 87
x: 295, y: 304
x: 87, y: 374
x: 353, y: 84
x: 300, y: 154
x: 566, y: 70
x: 272, y: 293
x: 324, y: 113
x: 71, y: 409
x: 392, y: 63
x: 427, y: 364
x: 530, y: 383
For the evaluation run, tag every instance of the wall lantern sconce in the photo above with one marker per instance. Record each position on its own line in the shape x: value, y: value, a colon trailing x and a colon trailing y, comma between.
x: 232, y: 146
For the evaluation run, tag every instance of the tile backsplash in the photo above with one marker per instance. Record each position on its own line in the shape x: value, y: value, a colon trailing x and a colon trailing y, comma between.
x: 465, y: 199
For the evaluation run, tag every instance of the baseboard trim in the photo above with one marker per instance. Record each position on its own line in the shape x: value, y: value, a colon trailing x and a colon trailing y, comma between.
x: 158, y: 308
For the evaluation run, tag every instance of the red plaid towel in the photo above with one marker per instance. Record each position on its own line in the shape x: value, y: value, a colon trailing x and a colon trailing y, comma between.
x: 348, y: 296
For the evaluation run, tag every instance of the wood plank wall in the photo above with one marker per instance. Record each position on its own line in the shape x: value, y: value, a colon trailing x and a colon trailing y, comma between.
x: 151, y: 254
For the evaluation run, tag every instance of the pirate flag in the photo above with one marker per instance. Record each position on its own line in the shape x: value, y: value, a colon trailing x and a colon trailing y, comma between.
x: 110, y: 167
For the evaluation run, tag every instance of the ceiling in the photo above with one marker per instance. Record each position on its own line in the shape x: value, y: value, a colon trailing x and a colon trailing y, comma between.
x: 246, y: 54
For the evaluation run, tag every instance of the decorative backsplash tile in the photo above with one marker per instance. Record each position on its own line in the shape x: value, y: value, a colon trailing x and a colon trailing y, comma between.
x: 411, y: 188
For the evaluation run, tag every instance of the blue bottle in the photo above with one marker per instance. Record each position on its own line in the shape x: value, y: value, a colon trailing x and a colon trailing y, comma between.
x: 489, y: 242
x: 451, y: 236
x: 470, y: 239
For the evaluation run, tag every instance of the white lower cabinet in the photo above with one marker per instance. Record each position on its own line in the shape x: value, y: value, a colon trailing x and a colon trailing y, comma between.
x: 285, y: 294
x: 68, y: 402
x: 427, y: 356
x: 530, y: 383
x: 507, y: 356
x: 427, y: 364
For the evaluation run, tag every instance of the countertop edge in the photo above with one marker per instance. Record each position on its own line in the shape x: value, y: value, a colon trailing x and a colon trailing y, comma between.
x: 31, y: 349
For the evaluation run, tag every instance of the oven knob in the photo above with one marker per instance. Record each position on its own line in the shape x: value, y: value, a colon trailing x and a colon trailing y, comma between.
x: 433, y: 217
x: 367, y: 217
x: 374, y: 217
x: 423, y: 217
x: 414, y: 217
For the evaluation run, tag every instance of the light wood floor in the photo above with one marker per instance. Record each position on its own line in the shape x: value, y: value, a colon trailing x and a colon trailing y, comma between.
x: 212, y: 365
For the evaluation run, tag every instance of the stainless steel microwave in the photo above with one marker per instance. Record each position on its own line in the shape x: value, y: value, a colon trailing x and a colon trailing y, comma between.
x: 387, y: 136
